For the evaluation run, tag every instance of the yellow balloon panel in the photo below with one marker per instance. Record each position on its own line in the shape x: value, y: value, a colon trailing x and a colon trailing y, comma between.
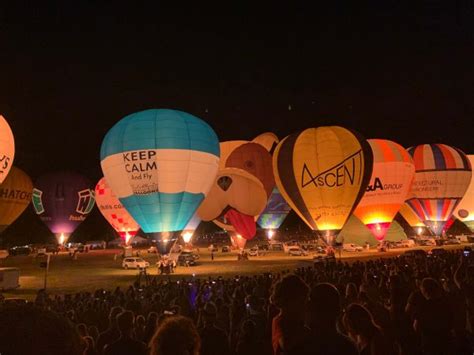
x: 323, y: 172
x: 410, y: 216
x: 15, y: 196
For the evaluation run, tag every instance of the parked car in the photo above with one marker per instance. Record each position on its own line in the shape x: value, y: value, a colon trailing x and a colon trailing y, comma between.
x: 135, y: 263
x: 296, y: 251
x: 451, y: 241
x: 406, y: 243
x: 225, y: 249
x: 190, y: 253
x: 351, y: 247
x: 427, y: 242
x: 320, y: 250
x: 186, y: 259
x: 20, y: 250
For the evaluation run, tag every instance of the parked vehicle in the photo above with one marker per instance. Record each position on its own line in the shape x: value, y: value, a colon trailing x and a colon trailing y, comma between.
x: 135, y: 263
x: 406, y: 243
x: 451, y: 241
x: 225, y: 249
x: 186, y: 259
x: 351, y: 247
x: 190, y: 253
x: 296, y: 251
x: 20, y: 250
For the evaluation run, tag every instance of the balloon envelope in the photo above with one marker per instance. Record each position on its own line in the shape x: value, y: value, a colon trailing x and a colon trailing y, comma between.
x: 160, y: 164
x: 322, y: 173
x: 275, y: 213
x: 114, y: 212
x: 389, y: 186
x: 7, y: 148
x: 442, y: 176
x: 15, y: 196
x: 62, y: 200
x: 465, y: 210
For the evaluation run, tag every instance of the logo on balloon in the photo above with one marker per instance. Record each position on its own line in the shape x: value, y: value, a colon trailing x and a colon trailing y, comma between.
x: 349, y: 169
x: 4, y: 163
x: 377, y: 185
x: 37, y: 203
x: 86, y: 201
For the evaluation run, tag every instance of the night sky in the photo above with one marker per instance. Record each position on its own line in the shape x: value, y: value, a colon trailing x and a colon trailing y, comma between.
x: 68, y: 72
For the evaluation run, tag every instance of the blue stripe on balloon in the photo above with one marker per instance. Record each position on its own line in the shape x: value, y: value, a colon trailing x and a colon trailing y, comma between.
x: 160, y: 129
x: 440, y: 163
x: 162, y: 212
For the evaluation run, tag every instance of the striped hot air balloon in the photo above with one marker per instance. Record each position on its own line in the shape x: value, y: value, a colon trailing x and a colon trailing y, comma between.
x: 322, y: 173
x: 442, y: 176
x: 275, y: 212
x: 160, y: 164
x: 389, y: 186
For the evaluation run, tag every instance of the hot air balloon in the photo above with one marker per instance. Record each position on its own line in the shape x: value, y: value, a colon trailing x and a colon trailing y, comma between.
x: 389, y: 186
x: 241, y: 189
x: 7, y: 148
x: 114, y: 212
x: 413, y: 220
x: 274, y: 214
x: 190, y: 228
x: 63, y: 200
x: 160, y: 164
x: 442, y: 175
x: 322, y: 173
x: 15, y: 196
x: 465, y: 210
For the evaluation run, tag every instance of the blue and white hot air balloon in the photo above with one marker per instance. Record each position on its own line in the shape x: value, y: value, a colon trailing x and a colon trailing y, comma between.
x: 160, y: 164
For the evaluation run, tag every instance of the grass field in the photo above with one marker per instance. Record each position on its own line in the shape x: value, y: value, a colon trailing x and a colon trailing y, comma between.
x: 100, y: 269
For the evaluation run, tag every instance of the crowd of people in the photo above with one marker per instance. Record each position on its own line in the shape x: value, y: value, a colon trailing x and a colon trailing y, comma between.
x: 415, y: 305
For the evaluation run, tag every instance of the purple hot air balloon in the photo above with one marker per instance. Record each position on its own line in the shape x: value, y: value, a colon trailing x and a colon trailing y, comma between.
x: 63, y: 200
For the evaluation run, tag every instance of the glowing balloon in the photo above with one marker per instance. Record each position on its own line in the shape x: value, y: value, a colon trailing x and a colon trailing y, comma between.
x: 62, y: 200
x: 442, y: 176
x: 15, y: 196
x: 242, y: 187
x: 322, y: 173
x: 160, y: 164
x: 114, y: 212
x: 7, y: 148
x: 190, y: 228
x: 275, y: 213
x: 465, y: 210
x: 389, y: 186
x: 412, y: 219
x: 237, y: 240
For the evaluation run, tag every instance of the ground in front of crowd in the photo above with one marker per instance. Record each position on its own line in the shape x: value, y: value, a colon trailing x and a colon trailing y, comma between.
x: 103, y: 268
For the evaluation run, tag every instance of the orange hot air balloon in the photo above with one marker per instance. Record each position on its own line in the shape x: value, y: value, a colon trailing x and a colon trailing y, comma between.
x: 413, y: 220
x: 114, y: 212
x: 7, y: 148
x: 389, y: 186
x: 15, y: 196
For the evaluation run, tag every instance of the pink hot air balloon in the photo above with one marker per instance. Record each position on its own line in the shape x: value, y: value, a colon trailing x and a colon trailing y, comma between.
x: 114, y: 212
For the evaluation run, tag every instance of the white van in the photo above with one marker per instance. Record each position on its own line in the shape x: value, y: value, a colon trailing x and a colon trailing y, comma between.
x: 9, y: 278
